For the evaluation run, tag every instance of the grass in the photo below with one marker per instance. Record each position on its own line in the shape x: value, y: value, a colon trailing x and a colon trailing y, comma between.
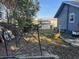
x: 47, y: 32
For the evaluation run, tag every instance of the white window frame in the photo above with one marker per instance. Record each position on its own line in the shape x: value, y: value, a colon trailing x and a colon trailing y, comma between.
x: 70, y: 17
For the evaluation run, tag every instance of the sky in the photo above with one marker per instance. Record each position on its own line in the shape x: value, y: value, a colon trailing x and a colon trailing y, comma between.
x: 48, y: 8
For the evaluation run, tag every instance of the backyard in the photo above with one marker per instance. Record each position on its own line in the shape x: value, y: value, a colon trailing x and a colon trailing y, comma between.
x: 29, y: 46
x: 29, y: 29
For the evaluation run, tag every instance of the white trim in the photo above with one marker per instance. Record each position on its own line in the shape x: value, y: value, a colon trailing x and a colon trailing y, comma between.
x: 75, y: 33
x: 71, y: 14
x: 72, y: 4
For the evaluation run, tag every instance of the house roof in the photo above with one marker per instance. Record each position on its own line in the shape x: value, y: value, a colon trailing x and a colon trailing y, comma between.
x: 72, y: 3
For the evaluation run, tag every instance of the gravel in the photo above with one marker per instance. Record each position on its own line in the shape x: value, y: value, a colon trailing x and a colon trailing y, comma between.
x: 32, y: 49
x: 65, y: 52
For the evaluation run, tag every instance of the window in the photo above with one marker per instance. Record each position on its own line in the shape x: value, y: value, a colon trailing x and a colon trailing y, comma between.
x: 71, y: 18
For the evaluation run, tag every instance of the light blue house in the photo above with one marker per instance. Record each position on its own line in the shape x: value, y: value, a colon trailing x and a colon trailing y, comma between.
x: 3, y: 13
x: 68, y: 16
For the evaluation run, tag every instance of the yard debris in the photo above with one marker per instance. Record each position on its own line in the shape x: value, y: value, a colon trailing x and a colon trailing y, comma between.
x: 29, y: 47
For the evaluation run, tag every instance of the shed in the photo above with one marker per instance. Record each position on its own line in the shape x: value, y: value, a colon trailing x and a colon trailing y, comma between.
x: 68, y: 16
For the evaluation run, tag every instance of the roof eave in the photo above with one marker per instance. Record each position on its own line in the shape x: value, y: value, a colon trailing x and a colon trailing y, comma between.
x: 59, y: 10
x: 72, y: 4
x: 61, y: 7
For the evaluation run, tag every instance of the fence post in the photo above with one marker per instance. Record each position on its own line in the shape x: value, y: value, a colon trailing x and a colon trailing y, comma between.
x: 5, y: 43
x: 39, y: 39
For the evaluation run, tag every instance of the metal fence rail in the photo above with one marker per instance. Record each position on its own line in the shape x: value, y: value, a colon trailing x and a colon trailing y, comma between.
x: 28, y: 57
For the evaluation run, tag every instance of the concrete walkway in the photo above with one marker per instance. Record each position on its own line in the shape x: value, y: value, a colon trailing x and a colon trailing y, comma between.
x: 73, y: 42
x: 45, y: 55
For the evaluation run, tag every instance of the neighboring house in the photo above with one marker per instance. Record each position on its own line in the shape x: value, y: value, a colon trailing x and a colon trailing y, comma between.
x: 53, y: 22
x: 3, y: 13
x: 68, y: 16
x: 45, y: 24
x: 49, y: 23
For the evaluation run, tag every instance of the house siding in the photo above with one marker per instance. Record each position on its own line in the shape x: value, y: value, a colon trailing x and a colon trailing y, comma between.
x: 62, y: 19
x: 72, y: 26
x: 77, y: 19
